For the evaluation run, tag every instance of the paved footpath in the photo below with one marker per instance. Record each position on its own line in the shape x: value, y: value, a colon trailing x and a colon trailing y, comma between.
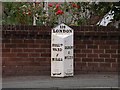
x: 78, y: 82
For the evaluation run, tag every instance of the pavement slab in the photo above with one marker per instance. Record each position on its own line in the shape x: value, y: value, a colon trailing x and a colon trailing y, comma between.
x: 77, y: 82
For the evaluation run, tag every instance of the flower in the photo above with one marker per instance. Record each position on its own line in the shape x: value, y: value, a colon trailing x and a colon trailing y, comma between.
x: 78, y: 6
x: 57, y: 6
x: 59, y: 12
x: 74, y: 5
x: 24, y: 13
x: 50, y: 5
x: 29, y: 13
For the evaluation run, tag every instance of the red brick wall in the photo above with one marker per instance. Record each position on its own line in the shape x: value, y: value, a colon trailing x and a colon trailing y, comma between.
x: 26, y: 50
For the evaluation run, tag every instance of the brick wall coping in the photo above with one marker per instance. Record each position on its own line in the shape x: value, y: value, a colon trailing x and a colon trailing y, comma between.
x: 35, y: 31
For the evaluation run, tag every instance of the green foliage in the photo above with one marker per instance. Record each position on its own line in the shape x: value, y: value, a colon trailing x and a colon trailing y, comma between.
x: 116, y: 10
x: 102, y: 8
x: 73, y: 13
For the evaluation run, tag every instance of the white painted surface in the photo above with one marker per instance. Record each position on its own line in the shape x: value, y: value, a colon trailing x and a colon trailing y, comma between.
x: 106, y: 19
x: 62, y: 51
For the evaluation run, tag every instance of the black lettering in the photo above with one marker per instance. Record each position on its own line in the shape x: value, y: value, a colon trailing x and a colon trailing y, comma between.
x: 57, y: 45
x: 54, y: 31
x: 57, y: 59
x: 62, y: 31
x: 62, y: 26
x: 56, y: 73
x: 68, y: 47
x: 68, y: 57
x: 57, y: 49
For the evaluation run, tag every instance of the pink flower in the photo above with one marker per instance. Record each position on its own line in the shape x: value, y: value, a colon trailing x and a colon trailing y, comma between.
x: 29, y: 13
x: 57, y: 6
x: 50, y: 5
x: 75, y: 5
x: 59, y: 12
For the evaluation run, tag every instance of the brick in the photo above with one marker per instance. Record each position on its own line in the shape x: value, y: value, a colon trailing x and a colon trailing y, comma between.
x: 115, y: 65
x: 87, y: 69
x: 34, y: 55
x: 9, y: 59
x: 99, y: 42
x: 91, y: 46
x: 98, y: 51
x: 10, y: 45
x: 114, y: 46
x: 22, y: 46
x: 78, y: 42
x: 4, y: 58
x: 105, y: 64
x: 6, y: 41
x: 105, y: 55
x: 86, y: 51
x: 22, y: 59
x: 78, y: 59
x: 22, y: 54
x: 78, y: 68
x: 6, y: 50
x: 41, y: 59
x: 48, y: 41
x: 45, y: 46
x: 10, y: 63
x: 111, y: 42
x: 48, y: 50
x: 104, y: 46
x: 98, y: 59
x: 41, y: 50
x: 43, y: 63
x: 29, y: 41
x: 31, y: 59
x: 87, y: 59
x: 110, y: 60
x: 25, y: 63
x: 110, y: 51
x: 28, y: 50
x: 45, y: 54
x: 77, y: 51
x: 88, y: 42
x: 17, y: 41
x: 37, y: 45
x: 81, y: 46
x: 8, y: 73
x: 16, y: 50
x: 117, y: 60
x: 81, y: 64
x: 114, y: 55
x: 80, y: 55
x: 8, y: 54
x: 93, y: 64
x: 2, y: 46
x: 92, y: 55
x: 33, y: 45
x: 40, y: 41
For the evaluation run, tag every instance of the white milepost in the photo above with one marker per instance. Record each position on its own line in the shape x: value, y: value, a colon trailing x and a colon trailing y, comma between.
x: 62, y: 51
